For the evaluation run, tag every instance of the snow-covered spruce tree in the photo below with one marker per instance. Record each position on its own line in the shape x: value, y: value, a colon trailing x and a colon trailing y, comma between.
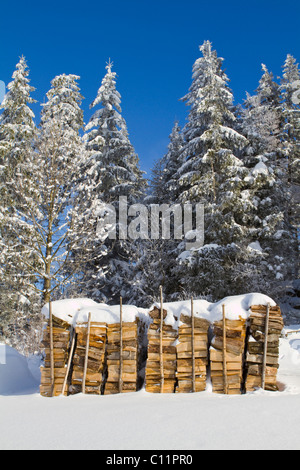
x: 214, y: 175
x: 156, y: 188
x: 159, y: 255
x: 290, y: 94
x: 150, y: 271
x: 114, y: 172
x: 118, y: 168
x: 172, y: 161
x: 19, y: 302
x: 55, y: 162
x: 209, y: 134
x: 86, y: 243
x: 262, y: 117
x: 262, y: 124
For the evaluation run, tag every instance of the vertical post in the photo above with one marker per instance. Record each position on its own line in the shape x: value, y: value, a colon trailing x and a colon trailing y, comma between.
x: 86, y: 353
x: 121, y: 347
x: 51, y: 348
x: 193, y: 345
x: 224, y: 352
x: 69, y: 361
x: 161, y: 342
x: 263, y: 376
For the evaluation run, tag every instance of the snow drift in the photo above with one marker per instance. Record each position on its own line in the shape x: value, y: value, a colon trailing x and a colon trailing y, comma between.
x: 18, y: 374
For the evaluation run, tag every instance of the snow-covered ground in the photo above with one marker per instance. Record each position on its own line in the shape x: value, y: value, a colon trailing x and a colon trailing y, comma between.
x: 135, y: 421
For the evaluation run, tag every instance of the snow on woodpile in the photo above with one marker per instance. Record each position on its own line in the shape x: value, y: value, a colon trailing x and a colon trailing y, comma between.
x: 236, y: 306
x: 75, y: 311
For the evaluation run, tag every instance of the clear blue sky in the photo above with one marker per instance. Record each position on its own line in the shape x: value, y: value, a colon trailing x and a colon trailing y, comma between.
x: 153, y: 45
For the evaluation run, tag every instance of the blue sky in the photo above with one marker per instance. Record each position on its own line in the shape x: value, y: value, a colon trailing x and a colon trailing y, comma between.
x: 153, y: 45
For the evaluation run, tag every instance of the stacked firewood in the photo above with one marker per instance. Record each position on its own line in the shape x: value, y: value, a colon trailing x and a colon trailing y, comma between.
x: 88, y: 359
x: 260, y: 372
x: 52, y: 384
x: 226, y: 356
x: 192, y: 354
x: 160, y: 373
x: 122, y: 358
x: 171, y: 354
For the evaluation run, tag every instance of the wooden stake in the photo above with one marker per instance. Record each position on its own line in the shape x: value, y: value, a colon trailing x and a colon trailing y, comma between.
x: 51, y: 348
x: 263, y: 376
x: 121, y: 347
x: 193, y: 345
x: 86, y: 353
x: 224, y: 352
x: 69, y: 361
x: 161, y: 342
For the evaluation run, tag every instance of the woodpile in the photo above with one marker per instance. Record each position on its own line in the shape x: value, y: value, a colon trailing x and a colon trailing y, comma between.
x: 88, y: 359
x: 103, y: 358
x: 192, y: 354
x: 122, y: 358
x: 226, y: 355
x: 262, y: 360
x: 161, y: 360
x: 57, y: 350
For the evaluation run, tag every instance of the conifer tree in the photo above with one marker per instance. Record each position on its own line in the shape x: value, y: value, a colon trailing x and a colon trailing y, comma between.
x: 163, y: 183
x: 172, y: 161
x: 290, y: 86
x: 118, y: 166
x: 156, y: 188
x: 18, y: 301
x: 262, y: 125
x: 60, y: 148
x: 213, y: 174
x: 159, y: 255
x: 54, y: 168
x: 114, y: 172
x: 262, y: 118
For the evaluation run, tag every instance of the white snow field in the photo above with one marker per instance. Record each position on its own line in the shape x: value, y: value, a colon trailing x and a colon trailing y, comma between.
x: 144, y: 421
